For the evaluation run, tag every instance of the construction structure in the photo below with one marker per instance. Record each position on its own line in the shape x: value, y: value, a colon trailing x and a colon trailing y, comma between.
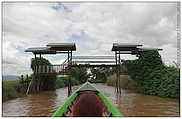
x: 83, y: 61
x: 54, y: 48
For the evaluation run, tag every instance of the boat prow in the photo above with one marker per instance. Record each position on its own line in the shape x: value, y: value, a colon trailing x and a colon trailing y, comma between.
x: 67, y: 108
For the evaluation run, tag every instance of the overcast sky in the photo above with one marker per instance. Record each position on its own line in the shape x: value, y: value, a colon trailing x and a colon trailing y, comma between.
x: 92, y: 26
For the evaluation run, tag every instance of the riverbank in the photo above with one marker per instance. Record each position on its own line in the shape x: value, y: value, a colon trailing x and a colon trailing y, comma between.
x: 125, y: 82
x: 9, y: 89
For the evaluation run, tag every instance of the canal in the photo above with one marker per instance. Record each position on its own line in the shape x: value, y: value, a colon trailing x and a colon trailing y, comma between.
x: 129, y: 103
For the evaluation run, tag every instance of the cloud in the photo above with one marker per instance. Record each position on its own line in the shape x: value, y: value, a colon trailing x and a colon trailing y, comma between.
x: 92, y: 26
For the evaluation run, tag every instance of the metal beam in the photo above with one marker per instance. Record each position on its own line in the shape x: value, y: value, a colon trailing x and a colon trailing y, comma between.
x: 149, y: 49
x: 61, y: 52
x: 89, y: 65
x: 93, y: 61
x: 93, y: 57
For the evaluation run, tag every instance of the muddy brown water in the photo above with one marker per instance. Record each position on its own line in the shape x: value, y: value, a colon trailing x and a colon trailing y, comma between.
x: 129, y: 103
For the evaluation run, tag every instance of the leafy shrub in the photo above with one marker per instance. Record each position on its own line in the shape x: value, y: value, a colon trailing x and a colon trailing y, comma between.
x: 125, y: 82
x: 75, y: 82
x: 9, y: 89
x: 63, y: 82
x: 152, y: 76
x: 48, y: 81
x: 79, y: 74
x: 111, y: 80
x: 60, y: 82
x: 100, y: 74
x: 170, y: 87
x: 97, y: 81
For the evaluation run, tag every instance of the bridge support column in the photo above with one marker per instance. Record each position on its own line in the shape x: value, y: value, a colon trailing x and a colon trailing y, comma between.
x: 119, y: 71
x: 116, y: 83
x: 69, y: 67
x: 118, y: 67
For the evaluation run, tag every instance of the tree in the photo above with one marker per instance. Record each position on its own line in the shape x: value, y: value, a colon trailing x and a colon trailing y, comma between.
x: 39, y: 61
x: 79, y: 74
x: 42, y: 82
x: 101, y: 74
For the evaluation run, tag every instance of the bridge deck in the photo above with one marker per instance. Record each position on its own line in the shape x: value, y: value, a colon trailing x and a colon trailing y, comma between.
x: 64, y: 69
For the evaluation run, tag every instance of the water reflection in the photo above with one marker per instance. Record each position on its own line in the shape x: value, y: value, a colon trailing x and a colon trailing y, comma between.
x: 134, y: 104
x: 41, y: 103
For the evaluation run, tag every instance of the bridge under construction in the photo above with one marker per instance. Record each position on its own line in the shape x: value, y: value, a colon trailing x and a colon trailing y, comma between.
x: 83, y: 61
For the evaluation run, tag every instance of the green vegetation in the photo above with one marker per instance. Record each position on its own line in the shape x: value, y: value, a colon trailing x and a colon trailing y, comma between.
x: 60, y: 82
x: 97, y: 81
x: 125, y: 82
x: 79, y: 74
x: 77, y: 77
x: 9, y: 89
x: 99, y: 75
x: 152, y: 76
x: 63, y: 82
x: 15, y: 88
x: 39, y: 61
x: 44, y: 82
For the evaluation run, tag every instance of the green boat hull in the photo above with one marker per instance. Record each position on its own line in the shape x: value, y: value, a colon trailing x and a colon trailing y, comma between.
x: 62, y: 110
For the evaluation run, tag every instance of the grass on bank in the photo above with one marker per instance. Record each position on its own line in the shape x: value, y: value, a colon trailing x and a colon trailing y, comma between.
x: 9, y: 89
x: 125, y: 82
x: 63, y: 82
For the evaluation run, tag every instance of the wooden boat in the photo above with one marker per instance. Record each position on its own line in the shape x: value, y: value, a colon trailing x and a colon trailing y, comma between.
x: 76, y: 103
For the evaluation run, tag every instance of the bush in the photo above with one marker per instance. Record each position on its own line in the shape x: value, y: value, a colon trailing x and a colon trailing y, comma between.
x: 75, y: 82
x: 97, y: 81
x: 47, y: 81
x: 9, y: 89
x: 152, y: 76
x: 99, y: 75
x: 63, y: 82
x: 60, y: 83
x: 79, y: 74
x: 111, y: 80
x: 170, y: 87
x: 125, y: 82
